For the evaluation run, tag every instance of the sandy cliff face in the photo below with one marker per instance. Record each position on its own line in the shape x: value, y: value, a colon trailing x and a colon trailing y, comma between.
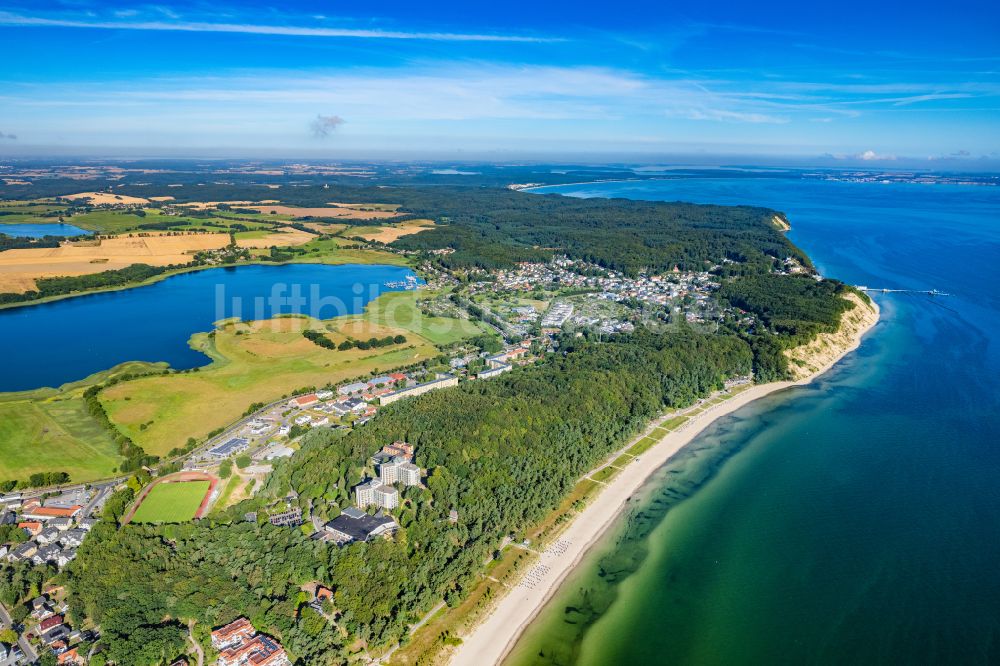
x: 827, y: 348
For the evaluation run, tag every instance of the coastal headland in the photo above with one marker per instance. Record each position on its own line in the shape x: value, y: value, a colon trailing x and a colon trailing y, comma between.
x: 495, y: 636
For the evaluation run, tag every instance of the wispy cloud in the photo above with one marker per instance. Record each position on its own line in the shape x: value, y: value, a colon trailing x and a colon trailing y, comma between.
x: 127, y: 22
x: 484, y: 91
x: 726, y: 115
x: 931, y: 97
x: 9, y: 137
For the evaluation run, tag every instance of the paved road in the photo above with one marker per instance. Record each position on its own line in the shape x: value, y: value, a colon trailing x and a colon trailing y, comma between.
x: 28, y: 651
x: 103, y: 490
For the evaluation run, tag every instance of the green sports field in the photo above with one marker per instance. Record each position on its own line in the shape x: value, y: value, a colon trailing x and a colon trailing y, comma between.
x: 174, y: 502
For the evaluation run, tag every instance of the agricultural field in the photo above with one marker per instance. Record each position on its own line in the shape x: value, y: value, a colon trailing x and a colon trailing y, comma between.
x: 399, y: 309
x: 29, y: 212
x: 332, y: 251
x: 390, y: 232
x: 108, y: 221
x: 105, y: 199
x: 20, y: 268
x: 174, y: 502
x: 261, y: 361
x: 280, y: 237
x: 50, y: 430
x: 329, y: 228
x: 350, y: 211
x: 54, y: 435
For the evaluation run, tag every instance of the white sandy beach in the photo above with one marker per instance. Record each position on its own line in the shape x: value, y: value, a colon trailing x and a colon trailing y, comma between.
x: 496, y: 635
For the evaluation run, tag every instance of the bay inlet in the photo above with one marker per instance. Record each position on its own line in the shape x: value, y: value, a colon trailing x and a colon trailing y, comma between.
x: 49, y: 344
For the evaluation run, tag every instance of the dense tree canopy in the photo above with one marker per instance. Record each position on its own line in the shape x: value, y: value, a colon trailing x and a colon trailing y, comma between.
x: 502, y: 452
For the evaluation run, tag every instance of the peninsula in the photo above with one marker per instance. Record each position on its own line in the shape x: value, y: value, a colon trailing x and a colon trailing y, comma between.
x: 351, y: 483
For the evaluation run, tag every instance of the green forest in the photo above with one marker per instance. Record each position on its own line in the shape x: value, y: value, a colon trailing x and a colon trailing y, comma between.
x: 502, y: 453
x: 490, y: 226
x: 792, y: 310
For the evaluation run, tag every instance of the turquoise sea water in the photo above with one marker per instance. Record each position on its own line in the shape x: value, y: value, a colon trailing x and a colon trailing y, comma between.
x: 62, y: 341
x: 40, y: 230
x: 852, y: 521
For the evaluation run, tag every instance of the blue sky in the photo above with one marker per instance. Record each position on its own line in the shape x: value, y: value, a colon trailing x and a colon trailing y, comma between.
x: 870, y: 82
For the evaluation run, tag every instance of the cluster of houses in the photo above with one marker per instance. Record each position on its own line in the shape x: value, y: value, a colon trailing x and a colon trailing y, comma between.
x: 557, y: 315
x: 55, y: 633
x: 355, y: 398
x: 562, y: 272
x: 504, y: 361
x: 55, y: 527
x: 238, y: 643
x: 442, y: 381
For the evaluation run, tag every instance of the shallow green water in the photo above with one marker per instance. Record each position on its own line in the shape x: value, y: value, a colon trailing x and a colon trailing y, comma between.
x: 856, y: 520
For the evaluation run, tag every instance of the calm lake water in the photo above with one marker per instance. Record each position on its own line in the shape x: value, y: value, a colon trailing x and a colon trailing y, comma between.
x: 853, y: 521
x: 54, y: 343
x: 39, y: 230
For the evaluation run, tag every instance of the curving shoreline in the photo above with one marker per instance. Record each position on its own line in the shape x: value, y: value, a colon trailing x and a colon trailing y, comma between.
x: 496, y: 635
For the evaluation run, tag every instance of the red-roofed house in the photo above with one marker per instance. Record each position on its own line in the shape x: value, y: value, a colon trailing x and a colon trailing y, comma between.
x: 235, y: 632
x: 70, y: 657
x: 304, y: 400
x: 49, y: 622
x: 260, y: 650
x: 239, y: 644
x: 49, y: 512
x: 32, y: 526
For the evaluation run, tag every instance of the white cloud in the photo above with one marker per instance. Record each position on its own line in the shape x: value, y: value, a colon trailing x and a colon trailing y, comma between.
x: 872, y: 156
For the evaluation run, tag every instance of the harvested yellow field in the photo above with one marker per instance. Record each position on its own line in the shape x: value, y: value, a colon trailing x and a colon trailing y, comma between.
x: 106, y: 198
x: 282, y: 236
x: 202, y: 205
x: 325, y: 227
x: 389, y: 233
x: 332, y: 211
x: 20, y: 268
x: 16, y: 283
x: 361, y: 329
x: 366, y: 206
x: 161, y: 198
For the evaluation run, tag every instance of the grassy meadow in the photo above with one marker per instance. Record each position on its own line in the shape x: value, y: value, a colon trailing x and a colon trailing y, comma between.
x: 261, y: 361
x: 399, y: 309
x: 53, y: 435
x: 51, y: 430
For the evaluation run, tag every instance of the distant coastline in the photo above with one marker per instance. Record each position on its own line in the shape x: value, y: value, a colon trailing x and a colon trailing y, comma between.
x: 496, y: 635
